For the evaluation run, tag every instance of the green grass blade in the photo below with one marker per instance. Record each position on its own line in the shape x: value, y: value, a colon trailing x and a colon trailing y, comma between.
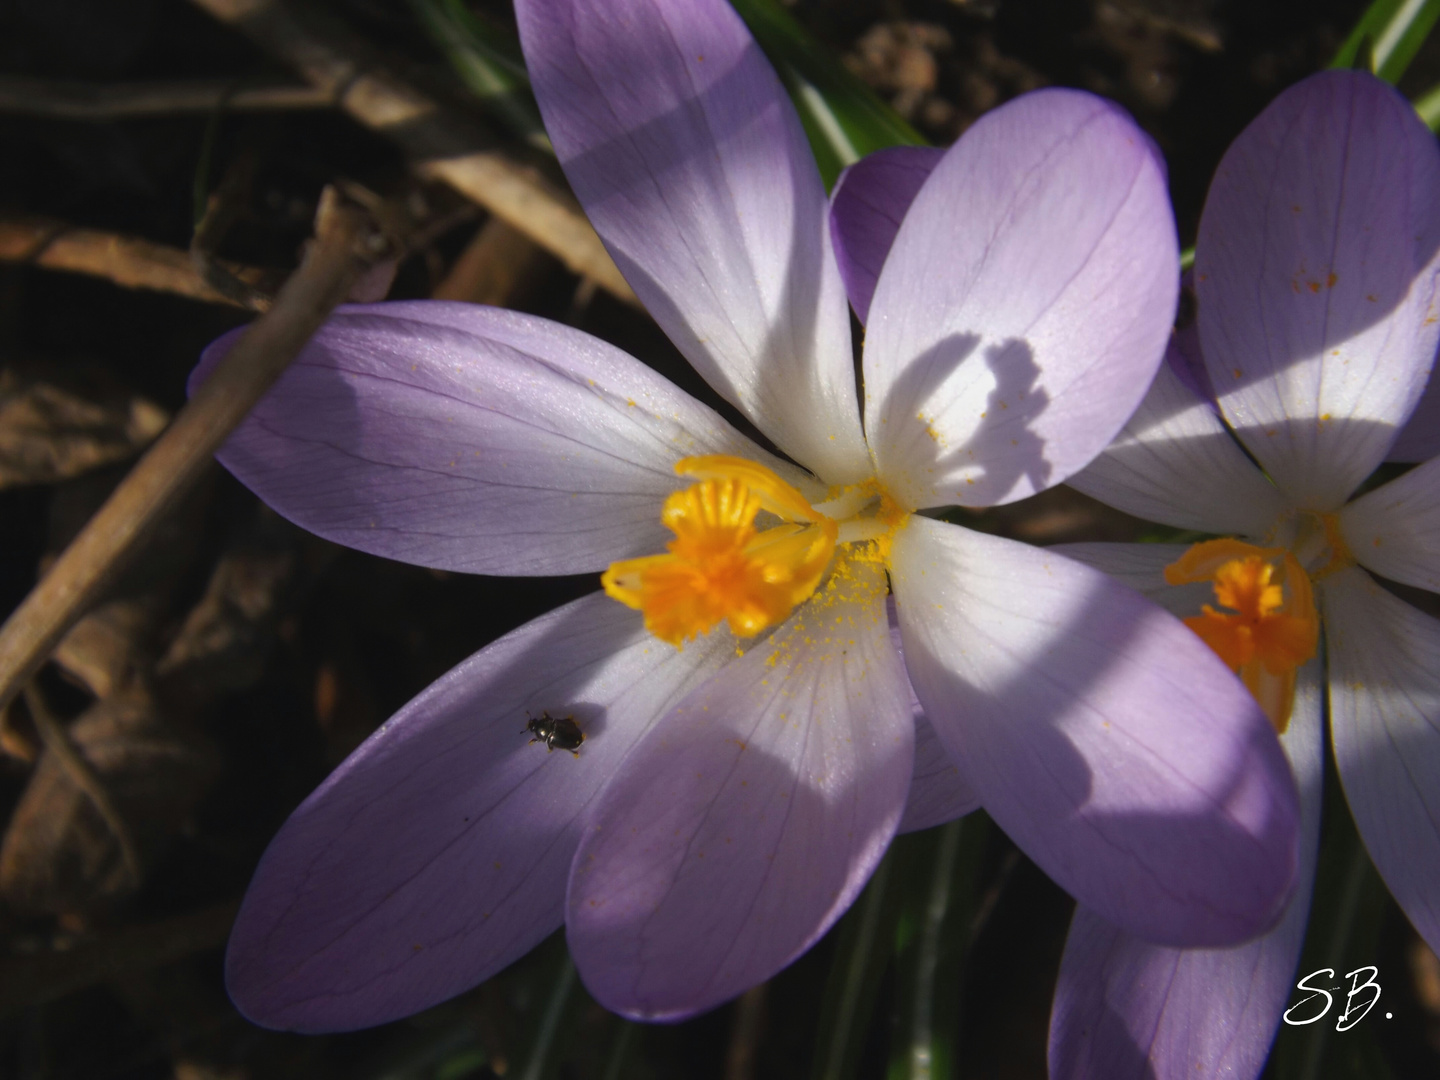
x: 932, y: 944
x: 204, y: 166
x: 867, y: 940
x: 501, y: 48
x: 922, y: 1056
x: 549, y: 1038
x: 1346, y: 912
x: 1392, y: 32
x: 620, y: 1051
x: 843, y: 117
x: 484, y: 62
x: 1428, y: 106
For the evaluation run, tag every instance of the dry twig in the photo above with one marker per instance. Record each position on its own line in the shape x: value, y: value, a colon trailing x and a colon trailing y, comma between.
x: 129, y: 261
x: 63, y: 100
x: 346, y: 244
x: 443, y: 145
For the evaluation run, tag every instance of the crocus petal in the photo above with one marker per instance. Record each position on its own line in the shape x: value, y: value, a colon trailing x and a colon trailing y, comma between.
x: 438, y: 852
x: 1385, y: 725
x: 1183, y: 355
x: 1419, y: 439
x: 939, y: 792
x: 1174, y: 462
x: 1025, y: 304
x: 1315, y: 270
x: 1129, y: 1010
x: 741, y: 829
x: 1103, y: 736
x: 1395, y: 529
x: 469, y: 438
x: 866, y: 208
x: 692, y: 165
x: 1142, y: 568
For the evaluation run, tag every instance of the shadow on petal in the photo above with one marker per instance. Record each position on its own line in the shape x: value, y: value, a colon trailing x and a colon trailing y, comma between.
x: 473, y: 439
x: 1101, y: 735
x: 748, y: 821
x: 1316, y: 269
x: 1126, y: 1009
x: 1002, y: 448
x: 691, y: 162
x: 437, y: 853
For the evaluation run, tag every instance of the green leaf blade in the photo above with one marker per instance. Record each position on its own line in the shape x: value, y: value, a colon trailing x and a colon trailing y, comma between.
x: 1391, y: 32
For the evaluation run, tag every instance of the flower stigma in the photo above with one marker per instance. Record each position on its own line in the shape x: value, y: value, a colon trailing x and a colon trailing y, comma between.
x: 722, y: 567
x: 1270, y: 626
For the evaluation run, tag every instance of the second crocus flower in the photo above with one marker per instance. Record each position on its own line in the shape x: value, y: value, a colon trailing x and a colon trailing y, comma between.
x: 1316, y: 282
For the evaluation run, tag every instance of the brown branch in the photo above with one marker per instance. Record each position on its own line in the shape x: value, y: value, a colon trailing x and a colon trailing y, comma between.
x: 129, y: 261
x: 62, y: 100
x: 441, y: 143
x: 346, y: 244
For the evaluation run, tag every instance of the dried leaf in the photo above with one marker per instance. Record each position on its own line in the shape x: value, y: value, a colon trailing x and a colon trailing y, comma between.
x: 106, y: 649
x: 498, y: 266
x: 68, y: 421
x: 150, y: 949
x: 345, y: 700
x: 58, y: 854
x: 17, y: 736
x: 224, y: 641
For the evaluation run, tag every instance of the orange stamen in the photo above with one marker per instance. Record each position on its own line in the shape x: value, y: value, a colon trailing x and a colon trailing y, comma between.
x: 1271, y: 627
x: 719, y: 567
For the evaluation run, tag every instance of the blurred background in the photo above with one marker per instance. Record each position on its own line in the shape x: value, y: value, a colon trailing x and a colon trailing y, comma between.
x: 160, y: 167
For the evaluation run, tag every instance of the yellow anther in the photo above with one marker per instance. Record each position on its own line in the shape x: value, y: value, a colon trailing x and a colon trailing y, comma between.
x: 1271, y: 627
x: 774, y: 494
x: 719, y: 567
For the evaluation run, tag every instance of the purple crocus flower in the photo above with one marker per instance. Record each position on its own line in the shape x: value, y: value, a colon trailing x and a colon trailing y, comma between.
x: 731, y: 797
x: 1315, y: 277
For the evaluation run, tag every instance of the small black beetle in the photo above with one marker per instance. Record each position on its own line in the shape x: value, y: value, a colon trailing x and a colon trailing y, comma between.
x: 553, y: 731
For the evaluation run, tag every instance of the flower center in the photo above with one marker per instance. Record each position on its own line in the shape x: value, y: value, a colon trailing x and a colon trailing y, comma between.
x: 1270, y: 627
x: 1316, y: 541
x: 721, y: 567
